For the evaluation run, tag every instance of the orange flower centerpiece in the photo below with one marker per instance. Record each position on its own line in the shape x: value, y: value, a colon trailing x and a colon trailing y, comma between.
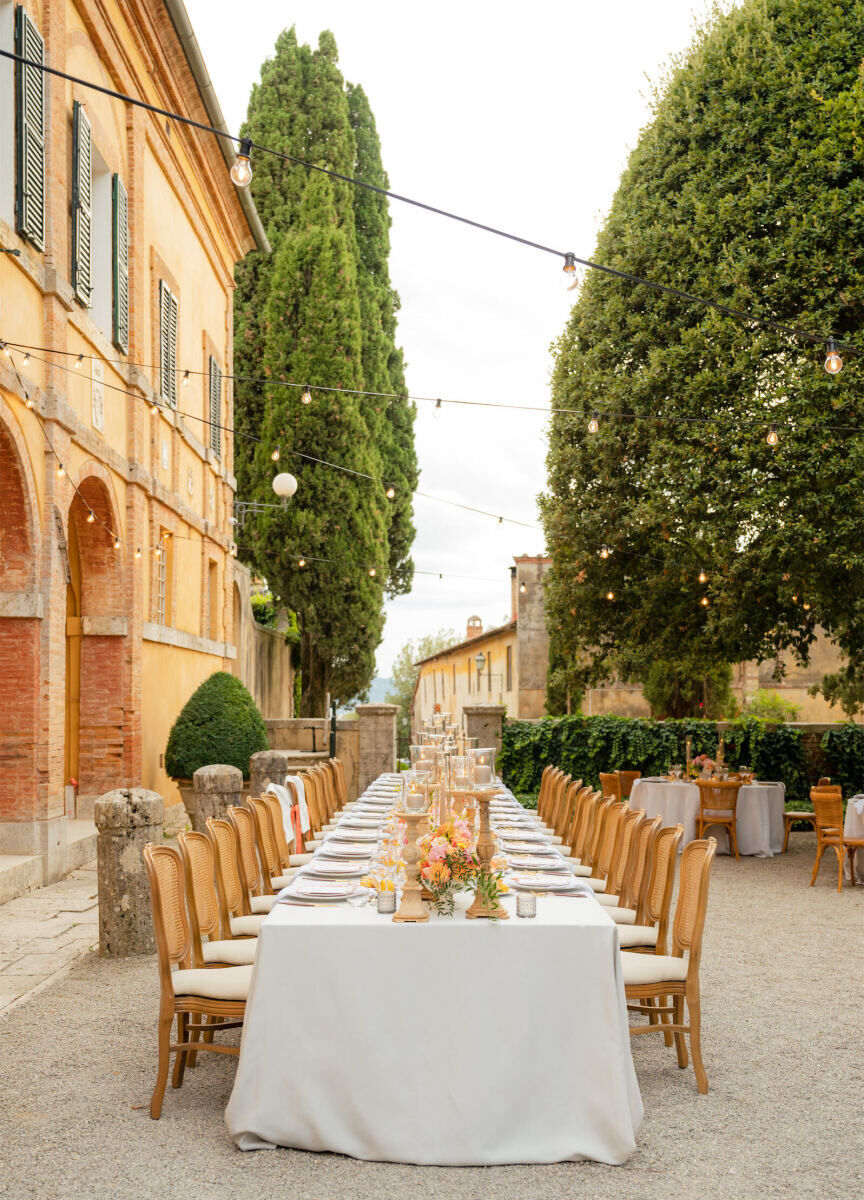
x: 449, y: 865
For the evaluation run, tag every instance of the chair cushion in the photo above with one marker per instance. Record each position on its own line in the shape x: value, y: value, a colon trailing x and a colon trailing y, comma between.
x: 652, y: 968
x: 261, y: 904
x: 230, y: 984
x: 297, y: 860
x: 599, y: 885
x: 239, y: 952
x: 281, y: 881
x: 607, y: 899
x: 790, y: 815
x: 621, y: 916
x: 637, y: 935
x: 243, y: 926
x: 578, y: 869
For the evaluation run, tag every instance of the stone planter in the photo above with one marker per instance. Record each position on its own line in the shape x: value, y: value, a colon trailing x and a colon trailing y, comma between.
x: 214, y: 788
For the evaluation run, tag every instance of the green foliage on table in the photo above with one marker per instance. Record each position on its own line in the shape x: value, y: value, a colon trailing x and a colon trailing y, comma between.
x: 770, y: 706
x: 844, y: 753
x: 219, y: 723
x: 672, y: 691
x: 321, y: 309
x: 585, y: 746
x: 404, y: 673
x: 747, y: 187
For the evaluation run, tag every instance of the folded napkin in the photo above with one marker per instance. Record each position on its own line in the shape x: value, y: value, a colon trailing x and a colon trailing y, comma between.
x: 286, y: 803
x: 299, y: 787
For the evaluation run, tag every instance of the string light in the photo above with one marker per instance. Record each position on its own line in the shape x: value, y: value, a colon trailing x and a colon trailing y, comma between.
x: 91, y: 516
x: 594, y: 423
x: 154, y: 407
x: 157, y: 551
x: 301, y: 562
x: 523, y: 587
x: 704, y: 601
x: 185, y: 381
x: 570, y: 277
x: 806, y: 606
x: 833, y: 361
x: 610, y: 595
x: 390, y: 493
x: 275, y: 455
x: 241, y: 172
x: 605, y: 551
x: 116, y: 543
x: 773, y: 438
x: 28, y: 400
x: 26, y: 359
x: 138, y: 552
x: 437, y: 410
x: 7, y: 350
x: 703, y: 578
x: 61, y: 471
x: 372, y: 572
x: 306, y: 398
x: 78, y: 361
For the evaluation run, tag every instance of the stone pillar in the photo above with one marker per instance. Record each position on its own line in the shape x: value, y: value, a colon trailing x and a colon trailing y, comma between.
x: 485, y: 722
x: 271, y: 766
x: 376, y: 749
x: 214, y: 787
x: 127, y: 819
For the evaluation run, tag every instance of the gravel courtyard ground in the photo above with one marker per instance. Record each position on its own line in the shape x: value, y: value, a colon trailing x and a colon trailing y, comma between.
x: 783, y: 999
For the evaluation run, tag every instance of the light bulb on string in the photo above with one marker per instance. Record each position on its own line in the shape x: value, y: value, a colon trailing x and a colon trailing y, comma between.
x: 571, y: 279
x: 833, y: 361
x: 78, y: 361
x: 116, y: 543
x: 704, y: 601
x: 523, y: 587
x: 25, y: 360
x: 91, y: 516
x: 306, y: 398
x: 605, y: 551
x: 241, y: 172
x: 372, y: 572
x: 154, y: 407
x: 7, y: 350
x: 390, y: 493
x: 275, y: 455
x: 28, y: 399
x: 61, y: 471
x: 138, y: 552
x: 610, y: 595
x: 773, y: 438
x: 806, y: 606
x: 185, y: 380
x: 437, y: 410
x: 703, y: 578
x: 157, y: 551
x: 301, y: 562
x: 594, y: 423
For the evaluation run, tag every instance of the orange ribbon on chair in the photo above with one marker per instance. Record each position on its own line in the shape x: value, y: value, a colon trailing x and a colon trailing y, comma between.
x: 298, y: 833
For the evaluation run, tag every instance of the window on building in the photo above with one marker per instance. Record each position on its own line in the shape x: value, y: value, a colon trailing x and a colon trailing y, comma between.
x: 120, y: 264
x: 7, y: 114
x: 213, y: 598
x: 168, y: 311
x: 215, y: 377
x: 164, y: 563
x: 30, y: 132
x: 509, y: 668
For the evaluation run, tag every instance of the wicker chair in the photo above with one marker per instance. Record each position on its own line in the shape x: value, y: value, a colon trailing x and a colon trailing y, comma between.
x: 649, y: 934
x: 626, y: 779
x: 609, y: 784
x: 235, y: 911
x: 268, y: 849
x: 218, y: 996
x: 828, y: 819
x: 199, y: 867
x: 629, y: 906
x: 651, y: 978
x: 718, y: 803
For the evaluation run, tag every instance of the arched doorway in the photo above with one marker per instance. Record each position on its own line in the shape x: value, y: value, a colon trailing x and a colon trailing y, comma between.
x: 19, y: 635
x: 96, y: 632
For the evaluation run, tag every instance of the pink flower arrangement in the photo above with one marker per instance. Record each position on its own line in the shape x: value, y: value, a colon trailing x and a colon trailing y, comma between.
x: 448, y: 864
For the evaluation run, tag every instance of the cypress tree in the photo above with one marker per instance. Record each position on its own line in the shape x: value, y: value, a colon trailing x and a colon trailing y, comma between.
x: 321, y: 310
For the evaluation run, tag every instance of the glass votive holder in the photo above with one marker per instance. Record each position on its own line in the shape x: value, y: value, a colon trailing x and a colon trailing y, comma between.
x: 481, y: 766
x: 526, y: 904
x: 387, y: 902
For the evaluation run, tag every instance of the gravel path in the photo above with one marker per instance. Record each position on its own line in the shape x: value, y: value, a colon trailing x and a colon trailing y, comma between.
x: 783, y: 1002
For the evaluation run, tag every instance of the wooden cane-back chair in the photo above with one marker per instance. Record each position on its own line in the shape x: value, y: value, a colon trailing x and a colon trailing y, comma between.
x: 596, y: 805
x: 649, y: 978
x: 325, y: 787
x: 341, y: 781
x: 582, y: 818
x: 630, y: 822
x: 609, y: 785
x: 793, y: 816
x: 557, y: 812
x: 649, y: 933
x: 313, y: 803
x: 219, y: 996
x: 234, y: 908
x: 627, y: 908
x: 545, y: 795
x: 565, y: 817
x: 828, y: 811
x: 577, y: 806
x: 261, y: 898
x: 283, y: 846
x: 613, y: 817
x: 718, y: 804
x: 267, y: 847
x: 205, y: 918
x: 626, y: 779
x: 598, y: 833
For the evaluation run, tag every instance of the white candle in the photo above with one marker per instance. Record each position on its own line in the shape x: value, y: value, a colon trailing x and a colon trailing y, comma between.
x: 482, y: 774
x: 423, y: 764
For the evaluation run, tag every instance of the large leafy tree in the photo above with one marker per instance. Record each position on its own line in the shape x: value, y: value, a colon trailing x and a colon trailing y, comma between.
x: 321, y: 310
x: 746, y: 187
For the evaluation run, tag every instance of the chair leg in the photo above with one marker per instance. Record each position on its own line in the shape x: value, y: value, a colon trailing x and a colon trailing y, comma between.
x: 820, y: 850
x: 788, y: 825
x: 664, y: 1020
x: 693, y: 1008
x: 680, y: 1044
x: 165, y: 1024
x: 839, y: 852
x: 850, y: 850
x: 180, y: 1055
x: 733, y: 839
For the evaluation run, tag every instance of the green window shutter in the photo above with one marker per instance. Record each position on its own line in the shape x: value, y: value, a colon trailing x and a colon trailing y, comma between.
x: 168, y: 309
x: 82, y: 205
x: 215, y: 407
x: 120, y: 245
x: 30, y: 139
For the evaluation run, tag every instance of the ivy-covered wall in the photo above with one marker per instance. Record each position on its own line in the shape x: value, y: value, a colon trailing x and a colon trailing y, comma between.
x: 585, y: 746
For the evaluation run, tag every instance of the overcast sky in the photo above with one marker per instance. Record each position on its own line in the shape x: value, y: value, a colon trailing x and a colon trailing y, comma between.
x: 519, y: 116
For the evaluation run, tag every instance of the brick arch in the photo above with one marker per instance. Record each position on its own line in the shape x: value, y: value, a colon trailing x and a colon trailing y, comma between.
x: 102, y: 567
x: 18, y: 507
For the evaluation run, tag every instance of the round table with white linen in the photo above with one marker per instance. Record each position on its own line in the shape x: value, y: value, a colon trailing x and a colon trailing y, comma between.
x: 759, y: 824
x: 853, y: 827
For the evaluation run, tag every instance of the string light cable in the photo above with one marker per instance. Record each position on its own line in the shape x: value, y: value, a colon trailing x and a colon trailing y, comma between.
x: 241, y: 174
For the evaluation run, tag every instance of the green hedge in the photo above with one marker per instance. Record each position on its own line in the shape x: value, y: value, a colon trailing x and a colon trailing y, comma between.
x: 844, y: 752
x: 219, y: 723
x: 585, y: 746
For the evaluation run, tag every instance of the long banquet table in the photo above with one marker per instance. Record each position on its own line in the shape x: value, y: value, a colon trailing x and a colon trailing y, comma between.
x: 759, y: 823
x: 452, y: 1043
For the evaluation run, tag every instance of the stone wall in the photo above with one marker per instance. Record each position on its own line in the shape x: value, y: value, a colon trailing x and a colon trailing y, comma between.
x: 263, y: 661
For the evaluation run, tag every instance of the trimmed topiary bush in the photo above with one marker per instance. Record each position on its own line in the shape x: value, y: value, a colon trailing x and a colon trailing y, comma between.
x: 219, y: 723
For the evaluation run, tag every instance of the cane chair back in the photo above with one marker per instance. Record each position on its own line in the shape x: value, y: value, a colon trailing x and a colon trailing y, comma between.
x: 233, y: 898
x: 266, y: 837
x: 341, y: 782
x: 611, y: 828
x: 568, y: 808
x: 718, y: 803
x: 630, y: 822
x: 609, y: 785
x: 313, y: 802
x: 626, y: 779
x: 577, y: 809
x: 596, y: 804
x: 277, y: 817
x: 325, y: 784
x: 604, y: 808
x: 199, y: 867
x: 695, y: 875
x: 658, y: 894
x: 638, y: 869
x: 250, y: 866
x: 558, y: 809
x: 825, y: 782
x: 170, y: 919
x: 547, y: 780
x: 828, y: 821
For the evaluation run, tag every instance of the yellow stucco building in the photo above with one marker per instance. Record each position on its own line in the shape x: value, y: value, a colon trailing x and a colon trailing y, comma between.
x: 120, y: 230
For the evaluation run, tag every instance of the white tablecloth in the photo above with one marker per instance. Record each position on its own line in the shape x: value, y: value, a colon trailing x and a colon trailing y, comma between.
x: 759, y: 825
x: 452, y: 1043
x: 853, y: 827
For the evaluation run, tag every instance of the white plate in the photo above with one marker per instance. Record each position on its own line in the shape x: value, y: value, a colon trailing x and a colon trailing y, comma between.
x: 537, y: 862
x: 320, y: 889
x: 354, y: 835
x: 542, y: 883
x: 346, y: 849
x: 331, y: 866
x: 362, y: 822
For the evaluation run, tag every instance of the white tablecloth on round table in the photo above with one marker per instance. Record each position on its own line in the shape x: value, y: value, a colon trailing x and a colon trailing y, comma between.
x: 454, y: 1042
x: 759, y: 825
x: 853, y: 827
